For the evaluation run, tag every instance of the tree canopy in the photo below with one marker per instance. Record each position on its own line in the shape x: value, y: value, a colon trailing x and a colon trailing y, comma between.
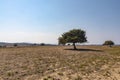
x: 61, y: 41
x: 109, y: 42
x: 74, y: 36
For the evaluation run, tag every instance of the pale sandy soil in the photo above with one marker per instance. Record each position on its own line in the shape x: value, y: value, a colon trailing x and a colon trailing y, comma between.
x: 59, y: 63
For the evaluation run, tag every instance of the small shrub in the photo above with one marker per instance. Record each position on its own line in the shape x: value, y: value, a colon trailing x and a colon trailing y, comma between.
x: 109, y: 42
x: 42, y: 44
x: 15, y: 45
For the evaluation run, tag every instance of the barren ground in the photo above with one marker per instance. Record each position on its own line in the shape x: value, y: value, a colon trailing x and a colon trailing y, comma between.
x: 60, y: 63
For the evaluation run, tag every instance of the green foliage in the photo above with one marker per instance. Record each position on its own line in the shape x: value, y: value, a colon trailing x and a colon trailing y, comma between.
x: 74, y: 36
x: 61, y: 40
x: 109, y: 42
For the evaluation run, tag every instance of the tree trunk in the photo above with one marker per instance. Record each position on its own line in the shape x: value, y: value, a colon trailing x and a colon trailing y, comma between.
x: 110, y: 45
x: 74, y: 46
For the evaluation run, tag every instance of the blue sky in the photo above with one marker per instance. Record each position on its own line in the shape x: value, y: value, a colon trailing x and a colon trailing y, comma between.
x: 45, y: 20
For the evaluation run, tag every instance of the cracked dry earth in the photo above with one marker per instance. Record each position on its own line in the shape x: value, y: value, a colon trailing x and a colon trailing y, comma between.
x: 60, y: 63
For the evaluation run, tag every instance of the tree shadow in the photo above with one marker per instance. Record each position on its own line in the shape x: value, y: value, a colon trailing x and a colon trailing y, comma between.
x: 84, y: 50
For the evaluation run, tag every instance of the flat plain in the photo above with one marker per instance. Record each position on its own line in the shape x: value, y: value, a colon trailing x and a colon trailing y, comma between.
x: 60, y: 63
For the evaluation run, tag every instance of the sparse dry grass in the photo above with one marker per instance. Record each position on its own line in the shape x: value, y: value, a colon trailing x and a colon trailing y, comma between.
x: 59, y: 63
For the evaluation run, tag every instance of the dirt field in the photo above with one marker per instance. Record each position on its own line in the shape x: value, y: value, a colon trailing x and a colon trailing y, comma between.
x: 60, y: 63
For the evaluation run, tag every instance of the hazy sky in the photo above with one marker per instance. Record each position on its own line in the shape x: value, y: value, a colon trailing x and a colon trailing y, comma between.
x: 45, y: 20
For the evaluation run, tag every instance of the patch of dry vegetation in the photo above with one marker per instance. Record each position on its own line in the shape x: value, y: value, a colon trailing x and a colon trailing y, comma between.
x: 59, y: 63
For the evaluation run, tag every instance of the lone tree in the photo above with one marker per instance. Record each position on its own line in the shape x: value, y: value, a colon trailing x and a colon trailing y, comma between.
x: 109, y: 42
x: 75, y: 36
x: 61, y: 40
